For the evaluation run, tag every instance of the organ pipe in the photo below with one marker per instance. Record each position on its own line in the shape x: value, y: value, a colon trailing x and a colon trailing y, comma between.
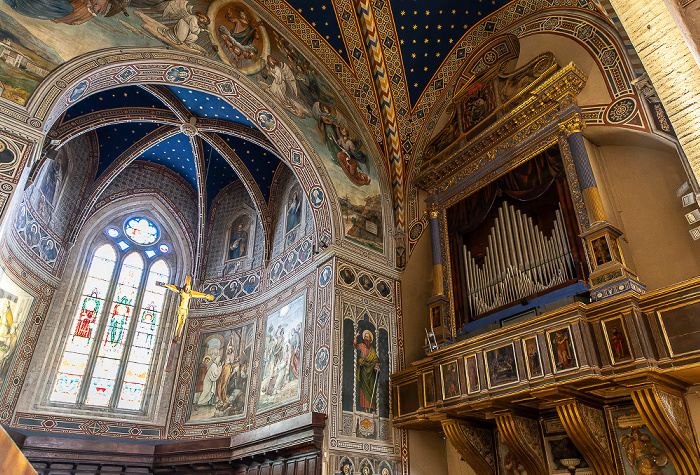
x: 519, y: 261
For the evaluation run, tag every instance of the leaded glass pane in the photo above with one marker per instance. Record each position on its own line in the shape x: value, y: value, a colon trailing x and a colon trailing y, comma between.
x: 74, y: 361
x: 112, y: 347
x: 144, y: 339
x: 141, y: 231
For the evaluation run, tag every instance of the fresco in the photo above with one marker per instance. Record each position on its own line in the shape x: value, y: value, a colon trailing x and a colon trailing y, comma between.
x: 293, y: 216
x: 282, y: 355
x: 15, y: 304
x: 639, y: 450
x: 365, y: 377
x: 39, y: 36
x: 222, y: 375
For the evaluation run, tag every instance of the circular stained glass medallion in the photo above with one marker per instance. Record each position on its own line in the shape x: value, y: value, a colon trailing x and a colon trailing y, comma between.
x: 163, y: 248
x: 112, y: 232
x: 141, y: 231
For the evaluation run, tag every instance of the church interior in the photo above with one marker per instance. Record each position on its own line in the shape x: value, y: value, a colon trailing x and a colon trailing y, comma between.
x: 349, y: 237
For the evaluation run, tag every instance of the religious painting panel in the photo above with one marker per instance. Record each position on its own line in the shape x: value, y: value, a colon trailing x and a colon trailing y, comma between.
x: 561, y: 349
x: 617, y: 340
x: 429, y: 388
x: 15, y: 304
x: 52, y: 177
x: 294, y: 208
x: 681, y: 327
x: 449, y: 378
x: 365, y: 376
x: 222, y: 373
x: 240, y: 241
x: 280, y: 374
x: 472, y: 367
x: 500, y: 366
x: 533, y: 362
x: 638, y: 451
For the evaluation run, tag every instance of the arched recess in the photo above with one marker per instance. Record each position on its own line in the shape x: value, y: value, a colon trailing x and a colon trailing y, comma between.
x: 101, y: 70
x: 156, y: 209
x: 593, y: 33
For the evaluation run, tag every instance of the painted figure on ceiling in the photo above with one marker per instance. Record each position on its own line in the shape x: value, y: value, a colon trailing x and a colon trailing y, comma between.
x: 293, y: 211
x: 367, y: 370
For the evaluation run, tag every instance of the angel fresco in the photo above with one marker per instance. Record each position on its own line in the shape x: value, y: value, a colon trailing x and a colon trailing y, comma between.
x: 344, y: 148
x: 644, y: 457
x: 180, y: 25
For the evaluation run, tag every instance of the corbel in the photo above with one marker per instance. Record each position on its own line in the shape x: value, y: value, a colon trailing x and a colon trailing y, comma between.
x: 474, y: 444
x: 523, y: 438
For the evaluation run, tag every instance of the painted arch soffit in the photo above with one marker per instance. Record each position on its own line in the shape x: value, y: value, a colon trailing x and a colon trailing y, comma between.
x: 297, y: 147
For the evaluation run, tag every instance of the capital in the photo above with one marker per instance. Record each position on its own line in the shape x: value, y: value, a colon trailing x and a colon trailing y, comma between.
x: 572, y: 125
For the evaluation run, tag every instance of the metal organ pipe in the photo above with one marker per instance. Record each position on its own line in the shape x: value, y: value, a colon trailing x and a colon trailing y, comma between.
x: 519, y: 261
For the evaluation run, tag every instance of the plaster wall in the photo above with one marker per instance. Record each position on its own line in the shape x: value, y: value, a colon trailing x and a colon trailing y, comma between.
x: 427, y: 453
x: 637, y: 186
x: 416, y: 290
x: 566, y: 50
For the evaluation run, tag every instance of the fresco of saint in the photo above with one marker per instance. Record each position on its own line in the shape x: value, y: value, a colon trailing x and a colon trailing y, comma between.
x: 367, y: 371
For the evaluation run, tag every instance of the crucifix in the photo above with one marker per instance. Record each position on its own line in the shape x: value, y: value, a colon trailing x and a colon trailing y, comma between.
x: 186, y: 293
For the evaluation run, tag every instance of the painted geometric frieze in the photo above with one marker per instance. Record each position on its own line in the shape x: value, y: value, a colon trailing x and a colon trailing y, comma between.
x: 370, y: 464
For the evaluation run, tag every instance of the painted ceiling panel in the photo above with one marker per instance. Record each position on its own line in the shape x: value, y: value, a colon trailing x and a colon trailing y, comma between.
x: 113, y: 140
x: 176, y: 154
x: 219, y: 173
x: 321, y: 16
x: 127, y: 96
x: 428, y: 31
x: 261, y: 163
x: 204, y: 105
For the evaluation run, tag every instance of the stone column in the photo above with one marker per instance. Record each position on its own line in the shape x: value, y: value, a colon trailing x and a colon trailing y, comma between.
x: 589, y: 188
x: 435, y: 248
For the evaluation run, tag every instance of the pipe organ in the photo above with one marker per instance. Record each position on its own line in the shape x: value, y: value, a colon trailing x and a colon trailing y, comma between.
x: 519, y: 261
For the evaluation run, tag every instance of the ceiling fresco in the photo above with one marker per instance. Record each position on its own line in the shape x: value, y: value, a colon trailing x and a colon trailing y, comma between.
x: 364, y: 81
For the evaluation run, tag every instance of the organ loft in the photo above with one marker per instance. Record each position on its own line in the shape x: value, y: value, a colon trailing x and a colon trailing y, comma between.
x: 415, y: 238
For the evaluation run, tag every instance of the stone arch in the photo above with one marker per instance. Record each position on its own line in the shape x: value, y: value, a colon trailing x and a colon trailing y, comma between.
x: 110, y: 68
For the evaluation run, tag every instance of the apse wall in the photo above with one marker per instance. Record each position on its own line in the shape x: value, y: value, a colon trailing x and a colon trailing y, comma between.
x: 235, y: 236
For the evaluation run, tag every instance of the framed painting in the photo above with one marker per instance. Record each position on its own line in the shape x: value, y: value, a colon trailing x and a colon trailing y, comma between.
x: 450, y: 380
x: 429, y: 388
x: 617, y: 340
x: 500, y: 366
x: 561, y: 350
x: 533, y: 361
x: 472, y: 366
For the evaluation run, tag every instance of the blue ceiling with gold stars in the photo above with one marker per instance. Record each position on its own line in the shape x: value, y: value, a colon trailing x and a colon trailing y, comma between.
x: 427, y: 32
x: 175, y: 152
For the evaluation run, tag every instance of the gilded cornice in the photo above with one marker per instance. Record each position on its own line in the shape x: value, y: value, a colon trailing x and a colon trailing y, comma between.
x: 546, y: 99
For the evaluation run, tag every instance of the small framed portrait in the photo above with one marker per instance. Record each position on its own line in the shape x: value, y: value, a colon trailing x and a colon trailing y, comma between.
x: 429, y: 388
x: 533, y: 361
x: 600, y: 250
x: 347, y: 275
x: 500, y: 366
x: 450, y: 380
x: 617, y: 340
x: 562, y: 350
x: 472, y: 366
x: 383, y: 288
x: 366, y: 282
x: 325, y: 276
x: 436, y: 316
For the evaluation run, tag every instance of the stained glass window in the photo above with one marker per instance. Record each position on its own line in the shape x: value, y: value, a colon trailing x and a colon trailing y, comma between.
x: 108, y: 354
x: 141, y: 231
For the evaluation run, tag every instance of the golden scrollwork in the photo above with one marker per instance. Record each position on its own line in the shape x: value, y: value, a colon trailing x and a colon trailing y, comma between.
x: 572, y: 125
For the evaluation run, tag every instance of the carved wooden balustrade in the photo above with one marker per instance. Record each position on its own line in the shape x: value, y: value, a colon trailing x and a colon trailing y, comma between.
x: 573, y: 364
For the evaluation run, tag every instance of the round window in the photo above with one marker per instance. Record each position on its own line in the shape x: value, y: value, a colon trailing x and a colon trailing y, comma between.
x: 141, y: 231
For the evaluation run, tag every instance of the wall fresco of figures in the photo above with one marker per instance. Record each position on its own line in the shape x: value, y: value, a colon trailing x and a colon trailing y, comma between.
x: 293, y: 219
x: 51, y: 33
x: 280, y: 374
x: 362, y: 465
x: 361, y: 418
x: 15, y: 304
x: 222, y: 377
x: 51, y: 202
